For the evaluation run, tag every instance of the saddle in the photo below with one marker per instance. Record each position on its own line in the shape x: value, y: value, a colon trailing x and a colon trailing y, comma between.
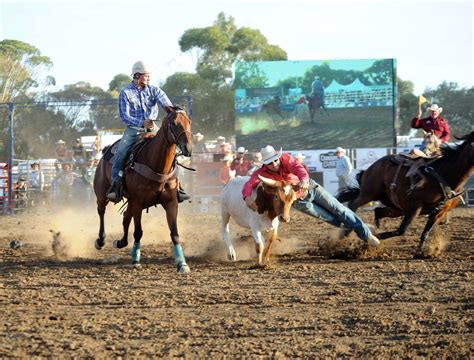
x: 131, y: 165
x: 418, y: 171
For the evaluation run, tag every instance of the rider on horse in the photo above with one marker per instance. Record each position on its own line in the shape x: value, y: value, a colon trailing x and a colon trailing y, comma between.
x: 138, y: 108
x: 317, y: 88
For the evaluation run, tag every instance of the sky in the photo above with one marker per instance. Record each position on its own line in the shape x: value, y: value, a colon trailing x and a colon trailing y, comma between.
x: 94, y: 40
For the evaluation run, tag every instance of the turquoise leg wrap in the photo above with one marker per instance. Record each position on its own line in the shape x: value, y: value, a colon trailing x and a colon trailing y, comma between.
x: 136, y: 253
x: 178, y: 255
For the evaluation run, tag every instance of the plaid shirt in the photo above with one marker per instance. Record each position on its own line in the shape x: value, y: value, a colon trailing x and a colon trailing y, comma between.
x: 136, y: 106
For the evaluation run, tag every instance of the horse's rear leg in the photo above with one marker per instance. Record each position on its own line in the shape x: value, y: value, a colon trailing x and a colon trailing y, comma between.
x: 171, y: 217
x: 407, y: 220
x: 100, y: 241
x: 383, y: 212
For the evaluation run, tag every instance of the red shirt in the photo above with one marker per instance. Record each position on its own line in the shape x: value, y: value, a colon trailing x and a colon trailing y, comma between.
x: 290, y: 170
x: 241, y: 169
x: 439, y: 125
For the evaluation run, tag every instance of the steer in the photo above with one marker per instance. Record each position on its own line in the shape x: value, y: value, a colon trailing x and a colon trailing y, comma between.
x: 273, y: 199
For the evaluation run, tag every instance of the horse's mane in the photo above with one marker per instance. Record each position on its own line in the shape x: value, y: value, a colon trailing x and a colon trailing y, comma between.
x: 451, y: 150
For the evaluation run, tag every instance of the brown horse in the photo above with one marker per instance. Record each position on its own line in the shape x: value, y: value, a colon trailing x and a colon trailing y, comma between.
x: 443, y: 182
x: 315, y: 102
x: 150, y: 180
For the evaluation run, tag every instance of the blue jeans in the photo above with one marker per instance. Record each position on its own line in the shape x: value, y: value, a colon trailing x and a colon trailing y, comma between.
x: 322, y: 205
x: 123, y: 149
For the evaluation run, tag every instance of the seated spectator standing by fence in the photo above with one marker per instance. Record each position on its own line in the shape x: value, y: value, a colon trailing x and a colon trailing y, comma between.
x: 20, y: 193
x: 199, y: 144
x: 78, y: 153
x: 65, y: 180
x: 226, y: 173
x: 36, y: 180
x: 256, y: 163
x: 240, y: 164
x: 88, y: 174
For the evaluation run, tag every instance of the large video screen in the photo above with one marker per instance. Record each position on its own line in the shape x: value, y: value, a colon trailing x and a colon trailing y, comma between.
x: 315, y: 104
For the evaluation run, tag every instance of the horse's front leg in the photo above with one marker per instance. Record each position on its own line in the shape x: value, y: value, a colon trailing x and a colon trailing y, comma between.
x: 127, y: 217
x: 407, y: 220
x: 172, y: 219
x: 137, y: 234
x: 100, y: 241
x: 433, y: 219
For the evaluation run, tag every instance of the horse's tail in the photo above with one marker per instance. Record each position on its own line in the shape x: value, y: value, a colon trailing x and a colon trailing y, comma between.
x: 351, y: 192
x: 347, y: 194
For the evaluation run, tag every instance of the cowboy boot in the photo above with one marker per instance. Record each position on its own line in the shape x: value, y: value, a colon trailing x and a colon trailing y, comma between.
x: 182, y: 196
x: 115, y: 192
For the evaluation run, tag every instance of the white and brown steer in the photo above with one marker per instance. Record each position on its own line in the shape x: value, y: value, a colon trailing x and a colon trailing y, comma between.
x: 273, y: 199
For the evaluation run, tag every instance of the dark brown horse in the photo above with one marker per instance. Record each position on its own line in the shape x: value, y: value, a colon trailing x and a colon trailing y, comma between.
x: 315, y: 102
x: 443, y: 181
x: 150, y: 179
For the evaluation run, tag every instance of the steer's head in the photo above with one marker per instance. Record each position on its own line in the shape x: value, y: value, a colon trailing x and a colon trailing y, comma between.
x: 276, y: 197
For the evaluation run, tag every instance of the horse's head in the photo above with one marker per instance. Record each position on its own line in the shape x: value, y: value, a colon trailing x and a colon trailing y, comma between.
x: 179, y: 130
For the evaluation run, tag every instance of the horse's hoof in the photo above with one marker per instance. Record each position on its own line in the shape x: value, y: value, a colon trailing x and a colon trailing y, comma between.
x: 183, y: 269
x: 232, y: 257
x: 118, y: 245
x: 99, y: 244
x: 136, y: 265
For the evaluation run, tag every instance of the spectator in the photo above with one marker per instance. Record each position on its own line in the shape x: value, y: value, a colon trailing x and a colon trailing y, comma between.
x: 60, y: 151
x: 36, y: 177
x: 256, y: 163
x: 64, y: 180
x: 88, y: 174
x: 95, y: 148
x: 20, y: 193
x: 36, y: 180
x: 343, y: 168
x: 240, y: 164
x: 78, y: 153
x: 299, y: 158
x: 226, y: 173
x: 433, y: 122
x: 199, y: 145
x: 222, y: 146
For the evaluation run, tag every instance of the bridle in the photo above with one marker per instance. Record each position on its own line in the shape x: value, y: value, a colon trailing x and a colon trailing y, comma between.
x: 173, y: 132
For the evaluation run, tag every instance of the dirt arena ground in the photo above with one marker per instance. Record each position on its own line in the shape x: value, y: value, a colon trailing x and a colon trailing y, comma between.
x: 309, y: 303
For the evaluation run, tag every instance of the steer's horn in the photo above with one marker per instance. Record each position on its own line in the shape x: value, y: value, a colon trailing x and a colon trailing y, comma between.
x: 267, y: 181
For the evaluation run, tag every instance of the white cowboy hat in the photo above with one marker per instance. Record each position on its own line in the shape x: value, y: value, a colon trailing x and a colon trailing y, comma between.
x: 300, y: 156
x: 269, y: 154
x: 241, y: 150
x: 340, y: 149
x: 199, y: 135
x: 435, y: 107
x: 220, y: 138
x: 60, y: 142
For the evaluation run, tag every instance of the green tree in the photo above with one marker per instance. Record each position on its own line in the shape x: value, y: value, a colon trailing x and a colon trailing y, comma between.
x: 118, y: 83
x: 22, y: 69
x: 217, y: 47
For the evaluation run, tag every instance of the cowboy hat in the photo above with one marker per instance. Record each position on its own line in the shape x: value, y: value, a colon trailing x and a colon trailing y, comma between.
x: 340, y: 149
x: 241, y: 150
x: 199, y: 135
x: 61, y: 142
x: 35, y: 163
x: 269, y: 154
x: 435, y: 107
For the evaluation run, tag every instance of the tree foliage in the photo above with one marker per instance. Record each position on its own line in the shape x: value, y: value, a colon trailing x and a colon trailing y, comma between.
x: 217, y: 47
